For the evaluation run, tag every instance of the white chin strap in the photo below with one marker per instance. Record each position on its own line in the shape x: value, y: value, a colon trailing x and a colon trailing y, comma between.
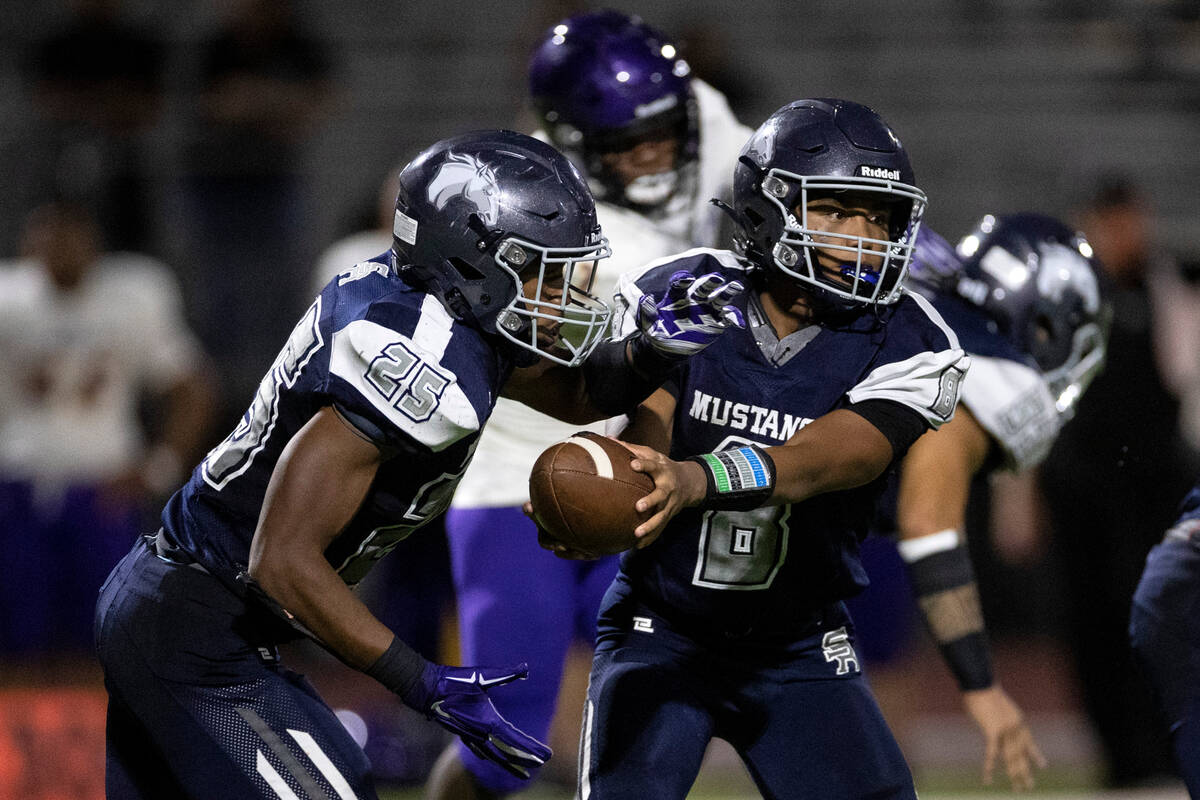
x: 651, y: 190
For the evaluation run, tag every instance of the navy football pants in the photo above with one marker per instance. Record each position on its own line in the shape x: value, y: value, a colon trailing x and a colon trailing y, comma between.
x: 656, y: 698
x: 1164, y: 630
x: 196, y: 708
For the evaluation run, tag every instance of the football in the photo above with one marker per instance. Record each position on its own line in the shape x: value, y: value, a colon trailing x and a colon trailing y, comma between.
x: 582, y: 490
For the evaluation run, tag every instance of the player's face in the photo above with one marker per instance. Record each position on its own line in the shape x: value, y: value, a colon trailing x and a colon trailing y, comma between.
x: 864, y: 215
x: 652, y: 155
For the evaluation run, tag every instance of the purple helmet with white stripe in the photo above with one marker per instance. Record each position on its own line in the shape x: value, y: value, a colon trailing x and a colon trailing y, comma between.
x: 602, y: 82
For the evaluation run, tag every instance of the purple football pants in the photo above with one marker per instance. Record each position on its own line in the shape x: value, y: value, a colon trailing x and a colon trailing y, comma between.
x: 518, y: 602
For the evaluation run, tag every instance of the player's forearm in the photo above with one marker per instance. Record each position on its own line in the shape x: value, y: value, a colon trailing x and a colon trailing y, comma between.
x: 838, y: 451
x: 311, y: 591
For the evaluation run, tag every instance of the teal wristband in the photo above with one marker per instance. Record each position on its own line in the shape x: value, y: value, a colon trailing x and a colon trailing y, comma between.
x: 737, y: 480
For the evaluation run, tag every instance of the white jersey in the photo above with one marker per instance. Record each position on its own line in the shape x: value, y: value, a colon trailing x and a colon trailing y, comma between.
x: 1014, y: 405
x: 73, y: 365
x: 694, y: 219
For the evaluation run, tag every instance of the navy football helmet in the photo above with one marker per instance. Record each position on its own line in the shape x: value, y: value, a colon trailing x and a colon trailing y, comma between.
x: 818, y: 148
x: 480, y: 214
x: 1039, y: 284
x: 602, y: 82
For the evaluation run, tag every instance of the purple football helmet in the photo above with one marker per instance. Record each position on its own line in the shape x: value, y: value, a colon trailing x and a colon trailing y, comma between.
x: 604, y: 81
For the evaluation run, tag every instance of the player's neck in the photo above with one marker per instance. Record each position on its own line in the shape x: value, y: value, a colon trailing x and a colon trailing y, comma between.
x: 787, y: 306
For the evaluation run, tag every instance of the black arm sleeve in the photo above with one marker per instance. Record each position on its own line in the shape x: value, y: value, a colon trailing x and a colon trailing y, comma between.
x: 900, y: 424
x: 614, y: 383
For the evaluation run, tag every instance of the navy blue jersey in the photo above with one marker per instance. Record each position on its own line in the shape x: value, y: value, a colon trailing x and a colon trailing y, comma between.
x: 393, y: 362
x: 770, y: 567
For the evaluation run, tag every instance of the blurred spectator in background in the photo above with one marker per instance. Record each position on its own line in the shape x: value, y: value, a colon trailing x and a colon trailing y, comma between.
x: 96, y: 85
x: 1113, y: 479
x: 263, y: 88
x: 85, y: 337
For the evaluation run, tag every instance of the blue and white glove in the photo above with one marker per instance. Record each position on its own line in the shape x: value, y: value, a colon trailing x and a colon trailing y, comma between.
x: 692, y: 314
x: 456, y: 698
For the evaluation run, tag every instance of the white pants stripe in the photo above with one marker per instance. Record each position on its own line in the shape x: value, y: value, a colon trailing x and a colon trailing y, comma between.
x: 585, y: 752
x: 273, y: 778
x: 313, y: 750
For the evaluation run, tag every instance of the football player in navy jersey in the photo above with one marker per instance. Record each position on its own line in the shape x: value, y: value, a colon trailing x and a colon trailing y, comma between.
x: 356, y: 437
x: 727, y: 620
x: 1165, y: 634
x: 1024, y: 296
x: 654, y: 143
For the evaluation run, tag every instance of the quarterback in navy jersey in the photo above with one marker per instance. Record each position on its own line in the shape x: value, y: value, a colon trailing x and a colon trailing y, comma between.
x: 355, y: 438
x: 1023, y: 294
x: 1165, y: 634
x: 767, y: 450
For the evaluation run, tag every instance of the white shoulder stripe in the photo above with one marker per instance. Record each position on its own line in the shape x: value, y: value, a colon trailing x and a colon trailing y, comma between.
x: 604, y: 467
x: 403, y: 378
x: 933, y: 314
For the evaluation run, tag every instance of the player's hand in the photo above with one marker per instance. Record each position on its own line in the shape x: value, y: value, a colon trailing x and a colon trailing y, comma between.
x: 677, y: 485
x: 456, y: 698
x: 1006, y: 735
x: 547, y: 541
x: 692, y: 314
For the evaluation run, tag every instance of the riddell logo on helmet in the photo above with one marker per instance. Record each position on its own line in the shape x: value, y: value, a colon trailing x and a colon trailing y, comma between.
x: 879, y: 172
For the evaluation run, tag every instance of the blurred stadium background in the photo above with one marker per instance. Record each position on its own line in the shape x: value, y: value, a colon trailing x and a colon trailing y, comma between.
x: 1003, y: 105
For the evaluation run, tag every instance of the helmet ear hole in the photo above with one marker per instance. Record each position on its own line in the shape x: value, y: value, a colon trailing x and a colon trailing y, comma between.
x: 465, y: 269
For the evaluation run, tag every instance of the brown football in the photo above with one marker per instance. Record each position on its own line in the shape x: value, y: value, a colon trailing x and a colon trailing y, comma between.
x: 583, y: 490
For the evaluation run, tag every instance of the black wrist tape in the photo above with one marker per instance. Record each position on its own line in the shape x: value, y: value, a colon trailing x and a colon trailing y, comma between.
x: 738, y: 479
x: 970, y: 660
x: 399, y: 669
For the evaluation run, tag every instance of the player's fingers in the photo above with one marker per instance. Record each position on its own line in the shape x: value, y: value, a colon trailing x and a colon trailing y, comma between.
x: 704, y: 287
x: 725, y: 293
x: 989, y: 760
x: 678, y: 286
x: 1036, y: 753
x: 732, y: 317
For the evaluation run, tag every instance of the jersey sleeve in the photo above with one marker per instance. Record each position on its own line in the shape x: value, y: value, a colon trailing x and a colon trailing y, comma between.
x: 1015, y: 407
x: 920, y: 365
x: 395, y: 389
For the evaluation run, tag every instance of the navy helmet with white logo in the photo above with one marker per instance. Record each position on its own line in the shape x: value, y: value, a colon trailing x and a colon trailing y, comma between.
x: 1040, y: 286
x: 603, y: 81
x: 821, y: 147
x: 478, y: 215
